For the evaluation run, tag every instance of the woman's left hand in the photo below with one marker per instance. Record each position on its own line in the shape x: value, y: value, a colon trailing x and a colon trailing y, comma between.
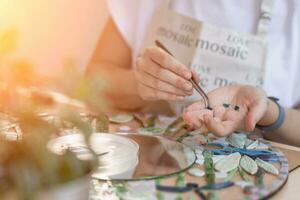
x: 236, y: 107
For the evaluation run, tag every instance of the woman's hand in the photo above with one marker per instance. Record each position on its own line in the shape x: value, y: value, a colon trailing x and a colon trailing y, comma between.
x: 161, y: 77
x: 237, y: 107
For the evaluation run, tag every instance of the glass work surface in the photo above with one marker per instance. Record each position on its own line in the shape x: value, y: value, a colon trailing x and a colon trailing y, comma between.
x: 130, y: 156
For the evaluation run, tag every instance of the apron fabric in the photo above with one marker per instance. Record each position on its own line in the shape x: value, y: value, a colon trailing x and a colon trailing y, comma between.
x: 220, y: 56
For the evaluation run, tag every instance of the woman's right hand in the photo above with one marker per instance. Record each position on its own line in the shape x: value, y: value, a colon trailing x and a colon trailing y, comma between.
x: 161, y: 77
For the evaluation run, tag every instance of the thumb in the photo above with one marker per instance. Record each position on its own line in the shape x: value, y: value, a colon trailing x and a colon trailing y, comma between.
x: 255, y: 113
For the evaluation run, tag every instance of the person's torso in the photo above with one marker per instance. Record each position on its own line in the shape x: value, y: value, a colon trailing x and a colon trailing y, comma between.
x: 242, y: 16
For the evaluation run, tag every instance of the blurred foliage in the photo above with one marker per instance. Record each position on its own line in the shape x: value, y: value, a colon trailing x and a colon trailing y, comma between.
x: 79, y: 86
x: 26, y: 165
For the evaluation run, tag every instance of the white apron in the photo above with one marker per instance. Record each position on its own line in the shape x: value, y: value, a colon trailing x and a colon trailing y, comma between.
x: 220, y: 56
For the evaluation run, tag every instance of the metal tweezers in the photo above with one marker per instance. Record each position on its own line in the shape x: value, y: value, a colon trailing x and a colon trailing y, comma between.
x: 194, y: 83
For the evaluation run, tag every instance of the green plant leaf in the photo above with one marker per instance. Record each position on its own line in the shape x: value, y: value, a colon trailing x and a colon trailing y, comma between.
x: 231, y: 174
x: 259, y: 178
x: 180, y: 182
x: 243, y: 174
x: 208, y: 167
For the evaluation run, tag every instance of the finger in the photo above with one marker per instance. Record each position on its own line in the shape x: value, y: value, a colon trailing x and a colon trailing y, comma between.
x: 163, y: 74
x: 196, y: 106
x: 192, y: 119
x: 255, y: 113
x: 148, y: 93
x: 195, y: 118
x: 219, y: 128
x: 167, y: 61
x: 217, y: 119
x: 195, y: 76
x: 153, y: 82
